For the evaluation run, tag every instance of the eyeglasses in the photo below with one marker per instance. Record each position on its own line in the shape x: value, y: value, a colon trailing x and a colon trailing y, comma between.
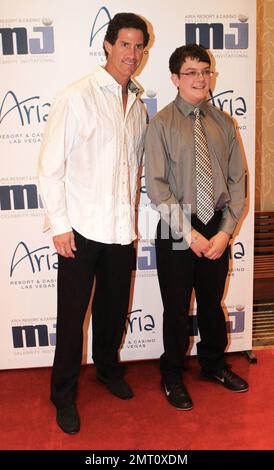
x: 196, y: 73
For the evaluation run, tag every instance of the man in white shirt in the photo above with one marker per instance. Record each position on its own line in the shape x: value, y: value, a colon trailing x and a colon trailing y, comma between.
x: 88, y: 169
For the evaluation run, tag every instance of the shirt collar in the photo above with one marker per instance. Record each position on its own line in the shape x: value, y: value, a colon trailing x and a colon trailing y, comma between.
x: 104, y: 78
x: 187, y: 108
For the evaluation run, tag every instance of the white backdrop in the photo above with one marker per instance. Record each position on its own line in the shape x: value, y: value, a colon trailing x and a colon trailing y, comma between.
x: 44, y: 45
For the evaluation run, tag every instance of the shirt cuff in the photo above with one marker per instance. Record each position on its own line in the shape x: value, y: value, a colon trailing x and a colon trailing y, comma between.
x: 57, y: 226
x: 227, y: 226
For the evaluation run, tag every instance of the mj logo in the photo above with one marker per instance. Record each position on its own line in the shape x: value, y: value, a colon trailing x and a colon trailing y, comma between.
x: 19, y: 197
x: 42, y: 44
x: 220, y: 40
x: 33, y: 336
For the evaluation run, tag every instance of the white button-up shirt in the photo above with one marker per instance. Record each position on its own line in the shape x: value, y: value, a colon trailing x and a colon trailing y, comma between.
x: 90, y: 157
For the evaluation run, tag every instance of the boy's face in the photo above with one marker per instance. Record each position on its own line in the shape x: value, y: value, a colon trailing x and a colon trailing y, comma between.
x: 193, y: 87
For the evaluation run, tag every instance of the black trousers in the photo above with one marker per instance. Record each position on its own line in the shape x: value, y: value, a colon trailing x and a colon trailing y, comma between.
x: 112, y: 266
x: 179, y: 271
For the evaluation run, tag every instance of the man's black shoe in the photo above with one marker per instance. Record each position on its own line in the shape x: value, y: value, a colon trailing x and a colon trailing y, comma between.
x: 68, y: 419
x: 117, y: 386
x: 177, y: 395
x: 228, y: 379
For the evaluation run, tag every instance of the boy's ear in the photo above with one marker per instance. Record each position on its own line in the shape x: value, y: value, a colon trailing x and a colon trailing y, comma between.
x: 175, y: 79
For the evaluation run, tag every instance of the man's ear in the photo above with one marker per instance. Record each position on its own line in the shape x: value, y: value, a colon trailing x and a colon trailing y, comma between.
x: 108, y: 46
x: 175, y: 79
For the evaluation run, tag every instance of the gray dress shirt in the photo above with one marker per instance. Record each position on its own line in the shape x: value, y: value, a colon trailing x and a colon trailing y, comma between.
x: 170, y: 162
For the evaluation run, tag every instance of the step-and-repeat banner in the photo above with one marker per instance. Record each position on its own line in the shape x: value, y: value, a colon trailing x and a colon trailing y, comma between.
x: 44, y: 45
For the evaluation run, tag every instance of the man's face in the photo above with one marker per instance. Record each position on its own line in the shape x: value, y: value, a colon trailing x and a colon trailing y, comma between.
x: 194, y: 86
x: 126, y: 54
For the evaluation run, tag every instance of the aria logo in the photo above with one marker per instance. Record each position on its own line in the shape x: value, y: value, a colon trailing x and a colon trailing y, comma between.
x: 95, y: 27
x: 26, y: 111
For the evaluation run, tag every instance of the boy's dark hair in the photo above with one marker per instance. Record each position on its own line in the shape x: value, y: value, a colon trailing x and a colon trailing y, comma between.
x: 191, y: 51
x: 125, y: 20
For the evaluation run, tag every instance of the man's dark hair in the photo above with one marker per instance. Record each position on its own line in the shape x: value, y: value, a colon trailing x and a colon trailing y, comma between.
x: 125, y: 20
x: 191, y: 51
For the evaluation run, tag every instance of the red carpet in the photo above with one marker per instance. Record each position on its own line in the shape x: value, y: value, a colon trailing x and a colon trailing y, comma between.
x: 220, y: 419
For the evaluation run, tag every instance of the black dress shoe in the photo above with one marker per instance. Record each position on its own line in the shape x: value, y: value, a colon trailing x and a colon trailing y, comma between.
x: 177, y: 395
x: 68, y: 419
x: 228, y: 379
x: 117, y: 386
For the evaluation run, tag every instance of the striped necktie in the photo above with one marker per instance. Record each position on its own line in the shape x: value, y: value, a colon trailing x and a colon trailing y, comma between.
x: 204, y: 179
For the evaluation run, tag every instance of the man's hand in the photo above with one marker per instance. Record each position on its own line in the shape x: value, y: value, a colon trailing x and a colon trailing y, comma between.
x: 65, y: 244
x: 199, y: 244
x: 218, y: 245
